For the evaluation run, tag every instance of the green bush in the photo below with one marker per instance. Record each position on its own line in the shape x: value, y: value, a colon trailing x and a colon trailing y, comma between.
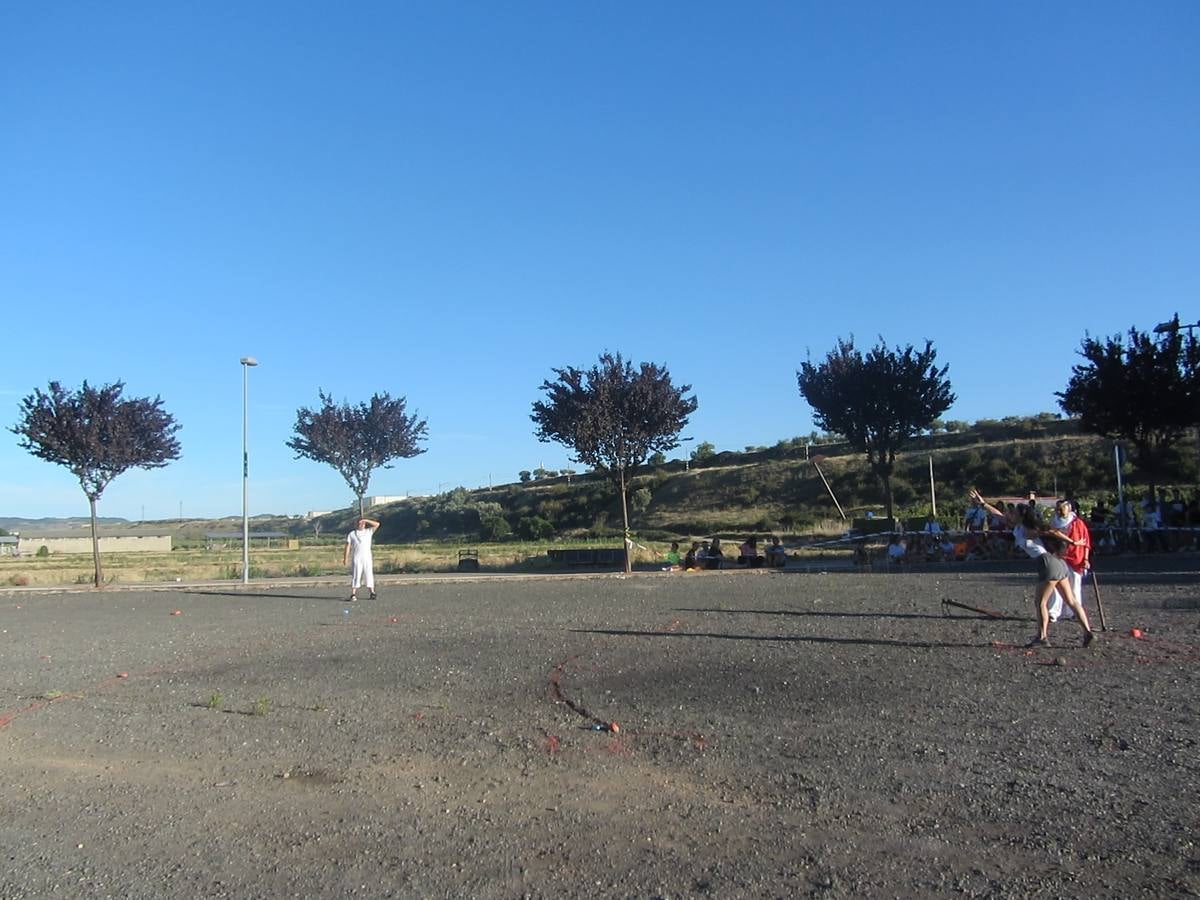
x: 494, y: 528
x: 42, y: 552
x: 534, y: 528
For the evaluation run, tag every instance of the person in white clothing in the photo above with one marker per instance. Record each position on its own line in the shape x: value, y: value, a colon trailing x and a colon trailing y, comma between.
x: 1031, y: 536
x: 1076, y: 555
x: 358, y: 556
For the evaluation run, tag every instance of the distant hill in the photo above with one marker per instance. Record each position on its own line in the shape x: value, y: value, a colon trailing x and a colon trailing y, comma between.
x: 777, y: 489
x: 55, y: 524
x: 789, y: 487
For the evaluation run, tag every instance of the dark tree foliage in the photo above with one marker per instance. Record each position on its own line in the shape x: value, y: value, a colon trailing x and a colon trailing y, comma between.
x: 614, y: 416
x: 96, y: 434
x: 1145, y: 390
x: 878, y: 402
x: 357, y: 440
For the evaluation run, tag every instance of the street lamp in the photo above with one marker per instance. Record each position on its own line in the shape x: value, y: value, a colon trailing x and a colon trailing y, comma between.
x: 686, y: 461
x: 1165, y: 327
x: 247, y: 362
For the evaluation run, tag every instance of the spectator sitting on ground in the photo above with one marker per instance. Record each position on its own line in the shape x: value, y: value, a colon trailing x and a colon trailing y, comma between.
x: 692, y: 559
x: 896, y: 551
x: 776, y: 555
x: 714, y: 556
x: 672, y: 558
x: 748, y: 553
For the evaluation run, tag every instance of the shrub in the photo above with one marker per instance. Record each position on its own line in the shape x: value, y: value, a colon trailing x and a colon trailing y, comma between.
x: 534, y: 528
x: 494, y: 528
x: 42, y: 552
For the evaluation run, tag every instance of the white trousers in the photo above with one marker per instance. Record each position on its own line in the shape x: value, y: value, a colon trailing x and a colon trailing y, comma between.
x: 362, y: 571
x: 1057, y: 607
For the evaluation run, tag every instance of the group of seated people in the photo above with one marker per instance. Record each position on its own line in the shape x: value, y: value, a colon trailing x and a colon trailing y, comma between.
x: 710, y: 555
x: 939, y: 547
x: 1170, y: 523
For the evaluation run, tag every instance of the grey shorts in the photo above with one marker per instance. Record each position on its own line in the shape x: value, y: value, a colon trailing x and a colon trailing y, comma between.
x: 1051, y: 568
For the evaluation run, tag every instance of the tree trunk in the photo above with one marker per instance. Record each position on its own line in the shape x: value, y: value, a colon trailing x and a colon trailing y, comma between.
x: 883, y: 471
x: 361, y: 512
x: 96, y: 544
x: 625, y: 519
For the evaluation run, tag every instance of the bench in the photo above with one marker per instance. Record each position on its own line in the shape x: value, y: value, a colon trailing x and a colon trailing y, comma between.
x: 468, y: 560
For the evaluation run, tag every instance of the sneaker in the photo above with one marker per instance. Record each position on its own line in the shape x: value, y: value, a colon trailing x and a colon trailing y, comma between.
x: 353, y: 598
x: 1039, y: 642
x: 1088, y: 638
x: 372, y: 595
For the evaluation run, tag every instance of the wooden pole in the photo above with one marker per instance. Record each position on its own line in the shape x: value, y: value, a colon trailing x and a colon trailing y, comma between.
x: 932, y: 489
x: 1099, y: 604
x: 828, y: 488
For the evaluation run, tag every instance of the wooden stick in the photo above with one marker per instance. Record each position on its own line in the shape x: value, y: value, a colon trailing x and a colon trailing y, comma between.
x: 1099, y: 604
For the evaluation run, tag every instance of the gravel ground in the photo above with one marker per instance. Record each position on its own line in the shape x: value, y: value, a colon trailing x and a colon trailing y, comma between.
x: 781, y: 735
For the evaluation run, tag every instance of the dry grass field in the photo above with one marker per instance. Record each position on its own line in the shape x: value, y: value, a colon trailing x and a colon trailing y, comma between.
x: 308, y: 561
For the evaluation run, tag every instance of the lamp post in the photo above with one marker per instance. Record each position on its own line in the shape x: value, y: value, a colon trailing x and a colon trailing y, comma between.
x: 247, y: 362
x: 686, y: 461
x: 1165, y: 327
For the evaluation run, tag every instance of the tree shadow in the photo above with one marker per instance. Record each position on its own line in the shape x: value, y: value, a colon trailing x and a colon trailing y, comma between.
x: 260, y: 593
x: 787, y: 638
x: 853, y: 615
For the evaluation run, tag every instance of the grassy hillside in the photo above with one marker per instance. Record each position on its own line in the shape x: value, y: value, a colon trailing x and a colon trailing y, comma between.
x: 777, y: 489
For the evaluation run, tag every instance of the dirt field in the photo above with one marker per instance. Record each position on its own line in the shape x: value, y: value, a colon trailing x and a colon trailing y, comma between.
x: 781, y: 735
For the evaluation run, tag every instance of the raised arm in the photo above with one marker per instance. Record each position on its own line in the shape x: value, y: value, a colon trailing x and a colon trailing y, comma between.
x: 978, y: 498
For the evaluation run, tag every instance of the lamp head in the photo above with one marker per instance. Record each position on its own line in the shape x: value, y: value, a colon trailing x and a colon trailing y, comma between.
x: 249, y: 361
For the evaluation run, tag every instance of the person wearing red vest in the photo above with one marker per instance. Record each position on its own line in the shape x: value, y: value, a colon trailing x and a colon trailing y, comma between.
x: 1077, y: 556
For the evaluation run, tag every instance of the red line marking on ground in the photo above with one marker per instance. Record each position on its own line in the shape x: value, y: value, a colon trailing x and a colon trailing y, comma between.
x: 621, y: 742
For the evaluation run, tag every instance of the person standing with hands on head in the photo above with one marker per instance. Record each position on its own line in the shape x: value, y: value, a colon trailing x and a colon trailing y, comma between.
x: 358, y: 556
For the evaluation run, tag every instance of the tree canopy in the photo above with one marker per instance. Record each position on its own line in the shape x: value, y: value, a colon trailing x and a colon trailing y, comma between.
x: 879, y: 401
x: 1144, y: 389
x: 96, y: 434
x: 613, y: 416
x: 358, y: 439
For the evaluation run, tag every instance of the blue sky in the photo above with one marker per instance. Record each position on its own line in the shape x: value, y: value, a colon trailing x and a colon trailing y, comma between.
x: 447, y: 200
